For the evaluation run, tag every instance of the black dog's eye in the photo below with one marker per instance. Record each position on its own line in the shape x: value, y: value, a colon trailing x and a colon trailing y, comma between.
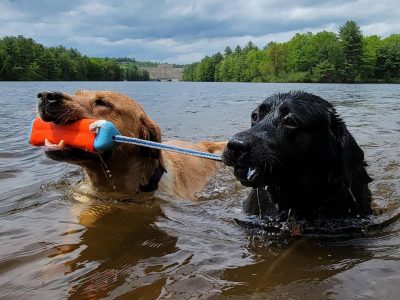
x: 100, y: 102
x: 289, y: 122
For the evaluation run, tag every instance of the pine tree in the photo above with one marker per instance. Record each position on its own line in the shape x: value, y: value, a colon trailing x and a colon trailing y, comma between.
x: 228, y: 51
x: 238, y: 50
x: 250, y: 46
x: 351, y: 40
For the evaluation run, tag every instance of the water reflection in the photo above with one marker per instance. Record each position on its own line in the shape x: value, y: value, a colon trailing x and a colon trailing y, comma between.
x: 301, y: 261
x: 116, y: 239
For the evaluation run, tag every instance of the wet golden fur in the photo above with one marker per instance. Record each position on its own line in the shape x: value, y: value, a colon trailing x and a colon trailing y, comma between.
x: 132, y: 166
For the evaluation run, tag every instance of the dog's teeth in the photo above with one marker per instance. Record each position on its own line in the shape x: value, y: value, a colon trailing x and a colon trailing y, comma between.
x: 49, y: 146
x: 250, y: 174
x: 48, y: 143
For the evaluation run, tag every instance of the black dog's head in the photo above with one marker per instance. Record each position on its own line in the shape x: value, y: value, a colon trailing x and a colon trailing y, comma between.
x: 291, y: 134
x: 296, y: 142
x: 300, y: 149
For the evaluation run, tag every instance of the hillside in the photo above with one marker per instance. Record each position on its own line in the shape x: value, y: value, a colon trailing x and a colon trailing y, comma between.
x: 165, y: 72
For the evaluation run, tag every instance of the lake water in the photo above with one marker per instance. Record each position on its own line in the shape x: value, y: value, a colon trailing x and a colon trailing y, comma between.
x: 168, y: 248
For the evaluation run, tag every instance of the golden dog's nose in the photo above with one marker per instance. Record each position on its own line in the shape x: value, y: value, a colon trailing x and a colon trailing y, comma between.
x: 51, y: 97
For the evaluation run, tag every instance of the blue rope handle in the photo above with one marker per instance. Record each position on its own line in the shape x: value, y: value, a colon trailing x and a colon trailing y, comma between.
x: 154, y: 145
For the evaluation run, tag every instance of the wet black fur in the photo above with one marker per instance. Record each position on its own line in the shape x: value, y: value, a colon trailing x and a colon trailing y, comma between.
x: 302, y: 159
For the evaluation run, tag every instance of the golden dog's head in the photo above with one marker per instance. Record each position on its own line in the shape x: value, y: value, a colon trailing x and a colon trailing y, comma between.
x: 130, y: 166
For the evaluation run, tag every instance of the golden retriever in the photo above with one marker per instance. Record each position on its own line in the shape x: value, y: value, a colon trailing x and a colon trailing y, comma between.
x: 127, y: 169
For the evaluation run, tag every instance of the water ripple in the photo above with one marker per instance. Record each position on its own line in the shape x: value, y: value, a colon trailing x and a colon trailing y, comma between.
x: 53, y: 245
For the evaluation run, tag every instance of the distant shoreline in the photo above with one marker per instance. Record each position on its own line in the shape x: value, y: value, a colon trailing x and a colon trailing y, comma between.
x: 323, y: 57
x: 210, y: 82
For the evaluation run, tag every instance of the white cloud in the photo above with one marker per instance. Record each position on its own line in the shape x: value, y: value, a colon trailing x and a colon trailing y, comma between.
x: 185, y: 30
x: 381, y: 28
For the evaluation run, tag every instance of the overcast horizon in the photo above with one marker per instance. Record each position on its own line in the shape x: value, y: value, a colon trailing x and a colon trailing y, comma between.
x: 184, y: 31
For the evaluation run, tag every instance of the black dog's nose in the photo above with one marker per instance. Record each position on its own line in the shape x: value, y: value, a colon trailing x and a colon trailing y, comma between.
x: 238, y: 146
x: 236, y: 152
x: 51, y: 97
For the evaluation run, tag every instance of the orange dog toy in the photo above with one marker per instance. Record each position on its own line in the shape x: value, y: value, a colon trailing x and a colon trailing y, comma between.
x: 76, y: 135
x: 95, y: 136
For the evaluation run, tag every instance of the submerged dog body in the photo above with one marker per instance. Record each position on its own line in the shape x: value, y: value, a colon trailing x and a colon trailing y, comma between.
x: 127, y: 169
x: 299, y: 156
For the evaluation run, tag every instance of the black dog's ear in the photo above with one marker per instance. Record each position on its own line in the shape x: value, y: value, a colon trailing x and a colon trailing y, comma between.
x: 350, y: 154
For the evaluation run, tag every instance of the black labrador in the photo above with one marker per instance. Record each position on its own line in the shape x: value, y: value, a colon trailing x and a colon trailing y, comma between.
x: 300, y: 159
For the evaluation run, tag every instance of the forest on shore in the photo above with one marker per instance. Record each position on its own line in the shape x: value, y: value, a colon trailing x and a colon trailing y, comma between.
x: 346, y: 57
x: 24, y: 59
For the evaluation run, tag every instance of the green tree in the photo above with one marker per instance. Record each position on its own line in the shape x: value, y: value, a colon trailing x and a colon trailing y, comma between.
x: 371, y: 44
x: 307, y: 57
x: 251, y: 70
x: 238, y: 66
x: 328, y: 58
x: 3, y: 62
x: 205, y: 70
x: 388, y: 59
x: 226, y: 68
x: 351, y: 40
x: 324, y: 71
x: 238, y: 50
x: 144, y: 75
x: 301, y: 53
x: 277, y: 53
x: 228, y: 51
x: 24, y: 59
x: 249, y: 47
x: 188, y: 72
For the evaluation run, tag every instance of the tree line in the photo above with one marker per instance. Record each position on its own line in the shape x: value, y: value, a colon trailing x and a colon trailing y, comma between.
x: 348, y: 57
x: 24, y: 59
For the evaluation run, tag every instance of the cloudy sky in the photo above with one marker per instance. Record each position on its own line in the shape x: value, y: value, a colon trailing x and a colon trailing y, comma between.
x: 183, y: 31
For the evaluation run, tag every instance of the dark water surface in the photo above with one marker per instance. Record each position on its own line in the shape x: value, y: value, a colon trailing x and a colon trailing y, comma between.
x: 54, y: 246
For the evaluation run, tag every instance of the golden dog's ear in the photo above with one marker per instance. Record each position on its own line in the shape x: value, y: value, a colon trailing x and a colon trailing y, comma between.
x: 151, y: 132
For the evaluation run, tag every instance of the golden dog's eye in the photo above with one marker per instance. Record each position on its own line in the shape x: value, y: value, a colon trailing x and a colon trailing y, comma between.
x: 100, y: 102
